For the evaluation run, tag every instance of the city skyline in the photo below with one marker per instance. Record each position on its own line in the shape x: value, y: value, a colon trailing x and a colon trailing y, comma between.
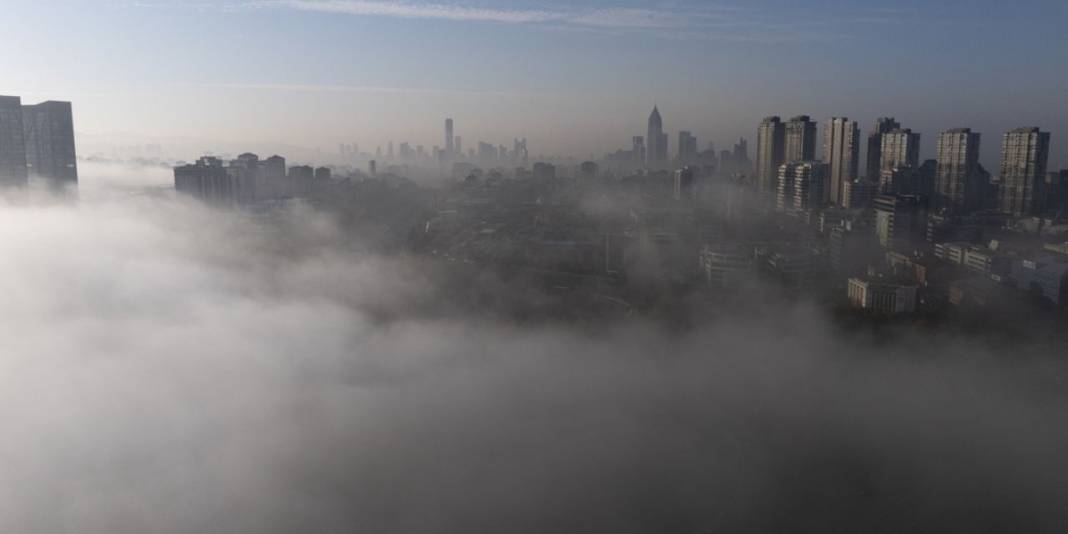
x: 374, y: 71
x: 464, y: 266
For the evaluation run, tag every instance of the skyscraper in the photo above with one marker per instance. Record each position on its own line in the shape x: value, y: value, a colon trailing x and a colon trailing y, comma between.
x: 12, y: 143
x: 842, y: 154
x: 1024, y: 154
x: 875, y: 144
x: 956, y: 181
x: 800, y: 139
x: 48, y: 129
x: 740, y: 155
x: 900, y: 148
x: 687, y: 147
x: 449, y: 139
x: 656, y: 151
x: 638, y: 147
x: 770, y: 150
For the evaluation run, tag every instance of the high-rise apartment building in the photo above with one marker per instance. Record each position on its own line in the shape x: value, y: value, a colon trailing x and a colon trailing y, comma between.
x: 687, y: 150
x: 842, y: 154
x: 638, y: 147
x: 450, y: 139
x: 208, y: 180
x: 957, y: 186
x: 771, y: 144
x: 12, y: 143
x: 1024, y: 155
x: 875, y: 144
x: 48, y: 129
x: 900, y: 148
x: 800, y: 139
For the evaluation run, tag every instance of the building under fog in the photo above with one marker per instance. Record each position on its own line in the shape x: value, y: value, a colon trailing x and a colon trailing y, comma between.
x: 802, y: 186
x: 881, y: 297
x: 208, y: 180
x: 48, y: 130
x: 37, y: 142
x: 900, y: 220
x: 12, y: 143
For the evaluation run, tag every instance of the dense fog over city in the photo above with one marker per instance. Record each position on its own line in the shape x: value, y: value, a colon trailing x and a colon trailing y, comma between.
x: 533, y: 266
x: 172, y: 367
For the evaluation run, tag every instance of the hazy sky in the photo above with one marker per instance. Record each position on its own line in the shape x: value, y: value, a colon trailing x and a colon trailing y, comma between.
x: 575, y: 78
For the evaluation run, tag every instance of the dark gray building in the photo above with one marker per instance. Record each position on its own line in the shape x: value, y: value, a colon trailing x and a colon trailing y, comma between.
x: 12, y: 143
x: 1024, y: 154
x: 48, y: 129
x: 901, y: 148
x: 770, y: 151
x: 958, y: 186
x: 657, y: 149
x: 800, y: 139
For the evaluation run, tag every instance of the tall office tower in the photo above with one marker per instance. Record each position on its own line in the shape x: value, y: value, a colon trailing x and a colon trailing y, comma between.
x: 638, y: 146
x: 957, y: 186
x: 1024, y: 154
x: 12, y: 143
x: 656, y: 151
x: 48, y: 129
x: 901, y: 148
x: 687, y: 147
x: 841, y: 148
x: 802, y: 186
x: 449, y: 139
x: 519, y: 151
x: 900, y: 220
x: 771, y: 144
x: 458, y: 146
x: 875, y: 145
x: 740, y: 155
x: 800, y: 139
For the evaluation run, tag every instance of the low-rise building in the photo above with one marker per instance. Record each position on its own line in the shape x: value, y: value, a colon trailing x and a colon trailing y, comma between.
x: 1046, y: 276
x: 882, y: 297
x: 725, y: 266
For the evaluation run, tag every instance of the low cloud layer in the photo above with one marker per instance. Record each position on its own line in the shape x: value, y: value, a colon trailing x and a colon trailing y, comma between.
x: 165, y: 368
